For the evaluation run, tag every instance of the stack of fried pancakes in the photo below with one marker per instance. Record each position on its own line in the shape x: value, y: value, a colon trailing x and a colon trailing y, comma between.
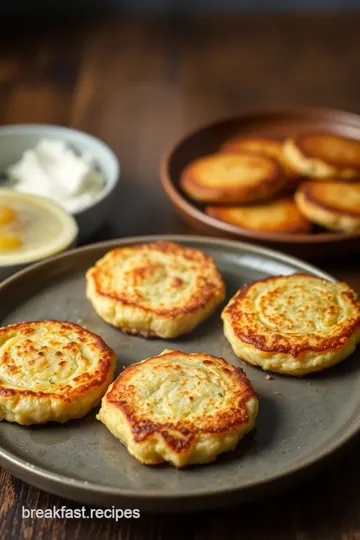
x: 280, y: 186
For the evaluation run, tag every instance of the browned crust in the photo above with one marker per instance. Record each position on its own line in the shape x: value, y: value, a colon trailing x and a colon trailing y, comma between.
x: 293, y: 177
x: 141, y: 333
x: 301, y: 143
x: 264, y: 188
x: 304, y: 226
x: 201, y: 298
x: 122, y: 395
x: 247, y: 335
x: 233, y: 144
x: 307, y: 190
x: 85, y: 381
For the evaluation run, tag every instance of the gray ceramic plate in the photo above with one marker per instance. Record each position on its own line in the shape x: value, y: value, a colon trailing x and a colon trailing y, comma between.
x: 300, y: 422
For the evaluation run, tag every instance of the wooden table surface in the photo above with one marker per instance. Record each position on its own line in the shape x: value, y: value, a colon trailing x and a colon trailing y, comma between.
x: 139, y: 83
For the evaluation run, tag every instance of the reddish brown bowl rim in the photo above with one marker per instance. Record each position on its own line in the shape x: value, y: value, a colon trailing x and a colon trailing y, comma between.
x: 186, y: 207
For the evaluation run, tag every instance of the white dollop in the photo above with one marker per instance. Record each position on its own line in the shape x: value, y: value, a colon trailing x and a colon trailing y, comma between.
x: 53, y: 170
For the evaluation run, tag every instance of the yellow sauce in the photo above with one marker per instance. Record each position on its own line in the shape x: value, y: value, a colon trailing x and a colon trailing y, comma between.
x: 7, y: 215
x: 8, y: 240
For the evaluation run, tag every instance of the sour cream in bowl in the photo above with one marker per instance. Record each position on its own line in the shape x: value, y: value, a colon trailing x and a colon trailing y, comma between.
x: 75, y: 170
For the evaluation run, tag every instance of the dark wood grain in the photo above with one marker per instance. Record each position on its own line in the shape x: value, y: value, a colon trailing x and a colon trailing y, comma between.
x: 140, y: 83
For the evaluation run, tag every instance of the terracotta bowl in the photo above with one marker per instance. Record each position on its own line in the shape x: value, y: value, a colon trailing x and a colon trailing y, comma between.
x: 273, y: 123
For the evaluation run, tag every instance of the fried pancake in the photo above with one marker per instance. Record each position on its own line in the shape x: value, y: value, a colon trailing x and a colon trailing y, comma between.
x: 257, y: 145
x: 232, y: 178
x: 266, y: 146
x: 293, y: 324
x: 160, y: 289
x: 324, y: 155
x: 279, y: 215
x: 51, y: 371
x: 179, y: 407
x: 333, y: 205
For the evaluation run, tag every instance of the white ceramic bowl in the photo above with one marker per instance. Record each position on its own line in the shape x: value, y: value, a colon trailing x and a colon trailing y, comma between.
x: 15, y: 139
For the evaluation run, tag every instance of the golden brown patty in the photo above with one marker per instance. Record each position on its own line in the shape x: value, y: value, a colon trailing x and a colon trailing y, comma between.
x: 233, y: 177
x: 333, y: 205
x: 257, y: 145
x: 324, y: 155
x: 179, y: 407
x: 51, y: 371
x: 278, y: 215
x: 266, y: 146
x: 293, y: 324
x: 157, y: 289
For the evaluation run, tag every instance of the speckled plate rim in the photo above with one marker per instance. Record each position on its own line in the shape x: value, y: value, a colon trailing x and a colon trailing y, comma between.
x: 82, y: 491
x: 184, y: 205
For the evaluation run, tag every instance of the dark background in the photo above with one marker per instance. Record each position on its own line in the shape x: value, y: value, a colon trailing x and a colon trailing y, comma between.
x: 171, y: 6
